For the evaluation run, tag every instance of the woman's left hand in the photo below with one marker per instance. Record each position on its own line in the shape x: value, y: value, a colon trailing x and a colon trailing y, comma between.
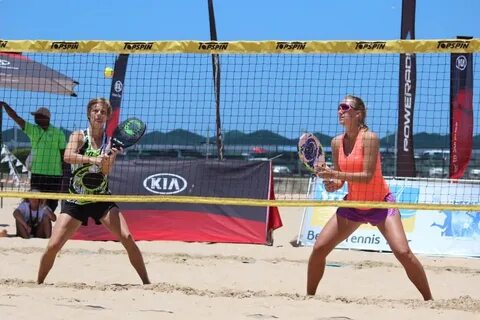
x: 323, y: 171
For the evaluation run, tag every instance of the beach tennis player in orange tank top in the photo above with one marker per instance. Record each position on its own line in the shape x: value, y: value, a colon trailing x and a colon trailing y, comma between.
x: 356, y: 161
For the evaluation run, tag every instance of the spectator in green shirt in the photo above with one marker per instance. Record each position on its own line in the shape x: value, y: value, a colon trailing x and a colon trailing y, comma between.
x: 48, y: 146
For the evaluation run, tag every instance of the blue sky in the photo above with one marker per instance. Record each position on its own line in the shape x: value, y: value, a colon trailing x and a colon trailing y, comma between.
x: 236, y: 20
x: 240, y: 20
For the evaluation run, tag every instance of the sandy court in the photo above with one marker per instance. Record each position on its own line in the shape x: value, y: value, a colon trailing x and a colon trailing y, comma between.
x: 225, y: 281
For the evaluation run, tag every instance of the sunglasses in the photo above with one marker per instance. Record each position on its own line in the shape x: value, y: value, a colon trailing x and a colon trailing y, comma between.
x: 345, y: 107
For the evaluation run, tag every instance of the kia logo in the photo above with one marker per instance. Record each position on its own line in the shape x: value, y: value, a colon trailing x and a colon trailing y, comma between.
x: 165, y: 183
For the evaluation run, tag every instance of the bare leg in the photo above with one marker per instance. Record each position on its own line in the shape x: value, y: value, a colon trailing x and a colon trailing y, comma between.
x: 44, y: 228
x: 116, y: 224
x: 392, y: 230
x: 63, y: 230
x: 335, y: 231
x: 22, y: 231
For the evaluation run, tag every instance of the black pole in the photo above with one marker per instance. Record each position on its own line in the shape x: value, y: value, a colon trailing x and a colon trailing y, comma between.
x: 216, y: 82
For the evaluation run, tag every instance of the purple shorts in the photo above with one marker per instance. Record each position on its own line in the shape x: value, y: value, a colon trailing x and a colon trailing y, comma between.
x: 372, y: 216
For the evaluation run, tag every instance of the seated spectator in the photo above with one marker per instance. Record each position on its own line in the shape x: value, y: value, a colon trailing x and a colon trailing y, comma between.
x: 33, y: 218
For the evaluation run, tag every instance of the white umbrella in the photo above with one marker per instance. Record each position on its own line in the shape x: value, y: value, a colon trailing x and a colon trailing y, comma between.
x: 21, y: 73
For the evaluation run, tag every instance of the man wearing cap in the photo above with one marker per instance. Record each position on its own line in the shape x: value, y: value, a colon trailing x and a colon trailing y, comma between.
x: 48, y: 146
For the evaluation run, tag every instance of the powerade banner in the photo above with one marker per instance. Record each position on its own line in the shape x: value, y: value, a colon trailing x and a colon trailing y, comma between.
x: 116, y: 91
x: 406, y: 96
x: 461, y: 113
x: 192, y: 222
x: 428, y: 231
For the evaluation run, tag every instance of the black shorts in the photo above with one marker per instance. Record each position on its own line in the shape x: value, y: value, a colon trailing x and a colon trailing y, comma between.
x: 95, y: 210
x: 46, y: 183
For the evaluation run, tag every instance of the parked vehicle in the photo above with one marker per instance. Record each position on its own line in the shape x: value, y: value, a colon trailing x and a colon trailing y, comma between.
x: 435, y: 154
x: 281, y: 170
x: 474, y: 174
x: 437, y: 172
x: 167, y: 154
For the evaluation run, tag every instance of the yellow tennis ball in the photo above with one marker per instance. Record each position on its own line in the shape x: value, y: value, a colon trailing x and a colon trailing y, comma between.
x: 108, y: 72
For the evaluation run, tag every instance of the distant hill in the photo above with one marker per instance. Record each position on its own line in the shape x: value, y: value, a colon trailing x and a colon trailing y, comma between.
x: 9, y: 135
x: 421, y: 140
x: 425, y: 140
x: 233, y: 135
x: 175, y: 137
x: 388, y: 141
x: 324, y: 139
x: 261, y: 137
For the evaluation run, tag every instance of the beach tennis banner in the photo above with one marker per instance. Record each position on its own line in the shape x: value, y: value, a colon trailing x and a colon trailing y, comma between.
x: 428, y: 231
x: 193, y: 222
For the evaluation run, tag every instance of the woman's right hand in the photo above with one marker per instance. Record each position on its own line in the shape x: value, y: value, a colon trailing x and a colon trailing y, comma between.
x: 105, y: 161
x: 332, y: 184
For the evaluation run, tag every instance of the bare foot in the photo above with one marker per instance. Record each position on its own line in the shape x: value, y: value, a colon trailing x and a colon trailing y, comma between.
x: 3, y: 233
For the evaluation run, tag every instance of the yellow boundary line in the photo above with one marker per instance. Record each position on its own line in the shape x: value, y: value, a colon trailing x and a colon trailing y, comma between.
x: 245, y: 47
x: 241, y: 201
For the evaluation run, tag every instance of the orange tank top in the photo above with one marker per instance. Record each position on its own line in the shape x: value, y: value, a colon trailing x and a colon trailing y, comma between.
x: 377, y: 188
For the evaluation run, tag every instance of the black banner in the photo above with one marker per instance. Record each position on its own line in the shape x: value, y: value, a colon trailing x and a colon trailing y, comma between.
x: 197, y: 221
x: 116, y: 91
x: 207, y: 178
x: 406, y: 95
x: 461, y: 112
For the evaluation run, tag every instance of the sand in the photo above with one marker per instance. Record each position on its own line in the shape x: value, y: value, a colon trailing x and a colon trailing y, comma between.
x: 94, y: 280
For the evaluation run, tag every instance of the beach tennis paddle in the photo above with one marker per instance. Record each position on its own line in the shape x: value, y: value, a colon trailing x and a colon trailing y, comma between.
x: 310, y: 151
x: 125, y: 135
x: 128, y: 133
